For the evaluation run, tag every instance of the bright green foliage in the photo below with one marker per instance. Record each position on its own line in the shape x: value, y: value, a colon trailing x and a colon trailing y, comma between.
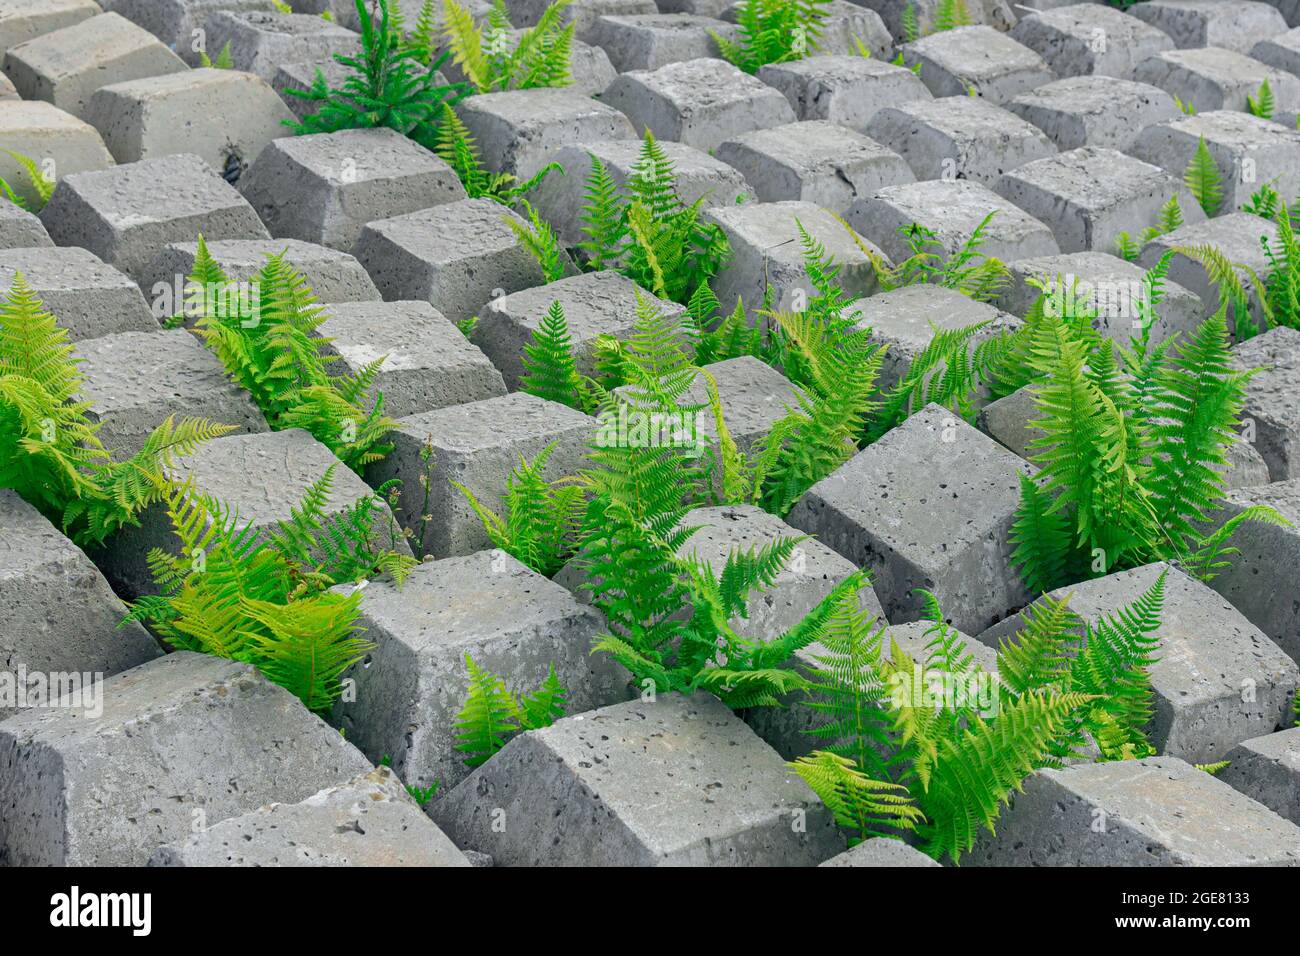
x: 549, y: 368
x: 391, y: 87
x: 1187, y: 108
x: 1263, y: 202
x: 950, y: 14
x: 42, y: 185
x: 541, y: 518
x: 493, y: 63
x: 1171, y: 218
x: 960, y: 756
x: 492, y: 714
x: 457, y: 148
x: 911, y: 32
x: 49, y: 452
x: 539, y: 239
x: 1204, y: 180
x: 222, y: 62
x: 1227, y: 277
x: 967, y: 270
x: 234, y: 593
x: 273, y: 353
x: 1282, y: 281
x: 774, y: 31
x: 1262, y: 104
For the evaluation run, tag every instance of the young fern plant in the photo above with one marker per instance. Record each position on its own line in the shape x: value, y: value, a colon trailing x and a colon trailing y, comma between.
x: 42, y: 186
x: 49, y: 451
x: 774, y: 31
x: 492, y: 714
x: 950, y: 14
x: 492, y: 61
x: 1204, y: 179
x: 458, y: 149
x: 1263, y: 104
x: 275, y: 355
x: 1282, y: 278
x: 967, y: 270
x: 1170, y: 218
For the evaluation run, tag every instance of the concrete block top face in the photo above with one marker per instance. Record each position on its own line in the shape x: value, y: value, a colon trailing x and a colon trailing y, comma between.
x: 959, y: 137
x: 650, y: 41
x: 443, y: 234
x: 953, y: 209
x: 882, y: 851
x: 914, y: 637
x: 995, y: 66
x: 846, y: 89
x: 180, y: 23
x: 54, y: 139
x: 753, y: 395
x: 493, y: 423
x: 1094, y: 110
x: 583, y: 14
x: 259, y: 40
x: 1213, y: 78
x: 1280, y: 51
x: 19, y: 229
x: 1231, y: 24
x: 771, y: 230
x: 67, y: 66
x: 170, y: 733
x: 86, y: 296
x: 1159, y: 812
x: 134, y: 380
x: 1267, y: 769
x: 1282, y: 496
x: 368, y: 821
x: 22, y: 20
x: 516, y: 128
x: 680, y: 781
x: 1086, y: 39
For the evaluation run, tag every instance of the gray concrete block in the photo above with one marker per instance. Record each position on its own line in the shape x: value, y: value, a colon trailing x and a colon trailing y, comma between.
x: 155, y: 117
x: 1089, y: 195
x: 1094, y: 110
x: 515, y: 130
x: 677, y: 782
x: 590, y: 71
x: 1217, y: 79
x: 905, y: 320
x: 1236, y: 235
x: 477, y: 445
x: 20, y: 229
x: 260, y: 477
x: 995, y: 13
x: 22, y: 20
x: 1155, y: 812
x: 331, y: 275
x: 560, y: 199
x: 765, y: 250
x: 1290, y: 9
x: 67, y: 66
x: 650, y: 41
x: 1281, y: 51
x: 959, y: 137
x: 1230, y: 24
x: 324, y: 187
x: 126, y: 215
x: 881, y: 851
x: 701, y: 103
x: 815, y: 161
x: 595, y: 304
x: 1260, y: 580
x: 260, y: 41
x: 1218, y: 679
x: 511, y: 620
x: 844, y: 26
x: 61, y: 618
x: 753, y: 395
x: 7, y: 91
x: 1109, y: 285
x: 58, y: 142
x: 183, y: 740
x: 583, y: 14
x: 953, y: 209
x: 457, y: 256
x: 845, y: 89
x: 954, y: 62
x: 428, y: 363
x: 134, y: 380
x: 184, y: 26
x: 929, y: 505
x: 1267, y: 769
x: 85, y: 296
x: 1090, y: 39
x: 1248, y: 150
x: 368, y: 821
x: 302, y: 76
x: 1272, y: 405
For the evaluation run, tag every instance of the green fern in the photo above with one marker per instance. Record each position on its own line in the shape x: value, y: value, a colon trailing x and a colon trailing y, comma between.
x: 950, y: 14
x: 774, y: 31
x: 1262, y: 104
x: 911, y: 31
x: 492, y: 714
x: 967, y: 269
x: 549, y: 368
x: 224, y: 61
x: 42, y: 186
x: 457, y: 148
x: 1204, y: 180
x: 491, y: 63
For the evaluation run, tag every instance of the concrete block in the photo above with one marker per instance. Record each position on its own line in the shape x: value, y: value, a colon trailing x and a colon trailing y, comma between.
x: 23, y: 20
x: 180, y: 736
x: 1089, y: 195
x: 765, y: 251
x: 510, y: 619
x: 1155, y: 812
x: 67, y: 66
x: 85, y: 296
x: 958, y: 137
x: 125, y: 215
x: 650, y: 41
x: 583, y: 14
x: 678, y: 782
x: 845, y: 89
x: 260, y: 41
x: 477, y: 445
x: 20, y: 229
x: 1281, y: 51
x: 815, y: 161
x: 590, y: 71
x: 954, y: 62
x: 1267, y: 769
x: 58, y: 142
x: 428, y: 363
x: 457, y: 256
x: 1095, y: 110
x: 881, y: 851
x: 184, y: 26
x: 1272, y: 400
x: 369, y: 821
x: 1217, y: 79
x: 701, y: 103
x: 1218, y: 679
x: 1090, y: 39
x: 995, y: 13
x: 929, y: 505
x: 953, y: 210
x: 1230, y: 24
